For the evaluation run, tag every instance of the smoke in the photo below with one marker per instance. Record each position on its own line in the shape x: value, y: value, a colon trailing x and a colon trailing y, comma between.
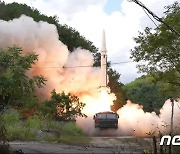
x: 42, y: 38
x: 59, y: 66
x: 134, y: 121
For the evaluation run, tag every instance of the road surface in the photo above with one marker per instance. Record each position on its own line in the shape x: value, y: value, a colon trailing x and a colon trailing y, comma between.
x: 131, y: 145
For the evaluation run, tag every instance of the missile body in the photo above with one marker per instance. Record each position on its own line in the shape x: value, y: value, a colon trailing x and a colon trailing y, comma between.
x: 103, y: 62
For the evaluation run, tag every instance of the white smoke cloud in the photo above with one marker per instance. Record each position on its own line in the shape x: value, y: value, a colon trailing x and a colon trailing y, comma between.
x: 42, y: 38
x: 133, y: 120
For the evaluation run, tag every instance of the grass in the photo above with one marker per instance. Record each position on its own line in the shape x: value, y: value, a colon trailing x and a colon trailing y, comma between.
x: 30, y: 129
x: 175, y: 149
x: 71, y: 134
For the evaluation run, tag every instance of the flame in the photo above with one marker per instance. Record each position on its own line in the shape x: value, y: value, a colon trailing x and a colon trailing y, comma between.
x: 102, y: 102
x: 105, y: 101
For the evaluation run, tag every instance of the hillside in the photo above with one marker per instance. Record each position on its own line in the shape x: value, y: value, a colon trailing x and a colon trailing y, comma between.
x: 67, y: 35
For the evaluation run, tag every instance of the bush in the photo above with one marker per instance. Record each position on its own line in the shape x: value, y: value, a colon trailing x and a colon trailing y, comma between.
x: 31, y: 129
x: 11, y: 117
x: 34, y: 123
x: 71, y: 134
x: 70, y: 128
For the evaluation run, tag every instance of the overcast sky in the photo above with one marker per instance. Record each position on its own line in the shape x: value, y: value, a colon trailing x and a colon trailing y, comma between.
x: 120, y: 19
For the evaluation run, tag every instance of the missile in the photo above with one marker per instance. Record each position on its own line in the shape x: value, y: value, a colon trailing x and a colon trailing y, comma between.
x: 103, y: 61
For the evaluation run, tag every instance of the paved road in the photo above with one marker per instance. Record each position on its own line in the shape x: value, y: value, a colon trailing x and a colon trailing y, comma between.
x: 98, y: 145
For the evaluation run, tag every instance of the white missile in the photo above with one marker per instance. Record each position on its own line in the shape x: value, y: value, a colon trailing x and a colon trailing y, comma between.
x: 103, y: 61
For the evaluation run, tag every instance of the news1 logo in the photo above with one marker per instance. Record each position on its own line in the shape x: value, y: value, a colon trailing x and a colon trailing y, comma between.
x: 174, y: 140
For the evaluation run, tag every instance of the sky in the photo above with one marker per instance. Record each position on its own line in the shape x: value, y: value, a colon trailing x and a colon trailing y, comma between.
x: 121, y: 20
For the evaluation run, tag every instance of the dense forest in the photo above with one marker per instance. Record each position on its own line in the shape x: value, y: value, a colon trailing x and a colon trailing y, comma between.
x: 148, y: 92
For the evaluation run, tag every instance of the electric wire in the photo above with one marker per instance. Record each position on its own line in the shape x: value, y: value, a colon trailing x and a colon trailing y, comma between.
x: 150, y: 18
x: 80, y: 66
x: 156, y: 17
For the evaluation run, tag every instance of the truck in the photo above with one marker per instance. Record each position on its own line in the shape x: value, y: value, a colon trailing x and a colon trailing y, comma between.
x: 106, y: 120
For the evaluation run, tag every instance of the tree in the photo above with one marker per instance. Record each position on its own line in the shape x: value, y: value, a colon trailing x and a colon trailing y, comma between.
x: 16, y: 88
x: 67, y: 34
x: 148, y: 92
x: 116, y: 88
x: 63, y: 106
x: 159, y: 49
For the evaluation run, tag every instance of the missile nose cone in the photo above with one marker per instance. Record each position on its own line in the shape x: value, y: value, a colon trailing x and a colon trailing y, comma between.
x: 103, y: 47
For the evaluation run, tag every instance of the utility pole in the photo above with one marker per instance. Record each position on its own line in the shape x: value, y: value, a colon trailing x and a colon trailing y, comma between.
x: 171, y: 128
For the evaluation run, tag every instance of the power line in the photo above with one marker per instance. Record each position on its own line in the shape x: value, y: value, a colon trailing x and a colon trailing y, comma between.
x: 121, y: 62
x: 80, y: 66
x: 150, y: 17
x: 155, y: 16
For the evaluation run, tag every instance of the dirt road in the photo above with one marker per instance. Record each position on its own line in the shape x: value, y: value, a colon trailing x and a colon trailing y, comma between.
x: 131, y: 145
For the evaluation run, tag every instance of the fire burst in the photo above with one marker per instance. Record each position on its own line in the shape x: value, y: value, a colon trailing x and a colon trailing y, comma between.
x: 102, y: 102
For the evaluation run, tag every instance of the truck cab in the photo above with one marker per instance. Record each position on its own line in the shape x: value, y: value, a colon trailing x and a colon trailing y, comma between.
x: 106, y: 120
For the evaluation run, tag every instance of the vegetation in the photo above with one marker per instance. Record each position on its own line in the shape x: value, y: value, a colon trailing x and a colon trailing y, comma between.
x: 159, y: 49
x: 36, y: 129
x: 15, y: 87
x: 18, y: 91
x: 4, y: 147
x: 116, y: 88
x: 68, y: 36
x: 148, y: 92
x: 63, y: 107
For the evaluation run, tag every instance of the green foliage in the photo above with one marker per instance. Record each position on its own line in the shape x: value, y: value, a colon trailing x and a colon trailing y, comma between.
x: 4, y: 146
x: 30, y: 129
x: 19, y: 130
x: 3, y: 131
x: 72, y: 134
x: 116, y: 88
x: 159, y: 48
x: 10, y: 116
x: 15, y: 87
x: 34, y: 123
x: 73, y: 39
x: 147, y: 92
x: 50, y: 138
x: 67, y: 35
x: 15, y: 10
x: 71, y: 129
x: 63, y: 107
